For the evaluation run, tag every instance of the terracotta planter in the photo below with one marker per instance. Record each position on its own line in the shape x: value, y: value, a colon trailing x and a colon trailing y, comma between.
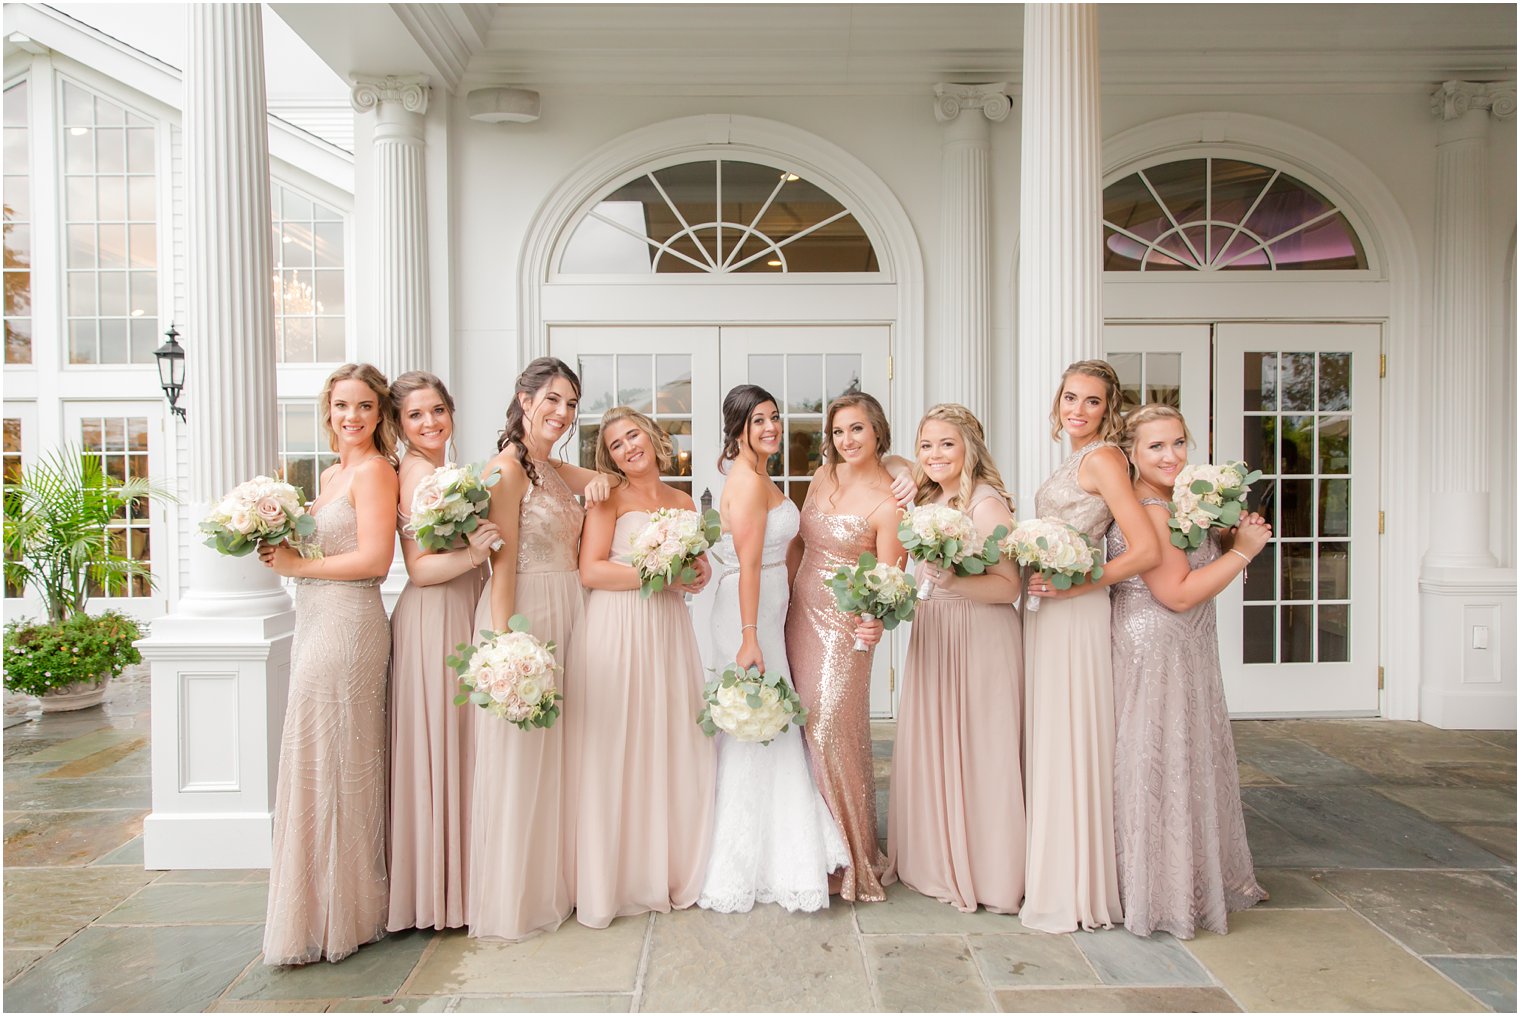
x: 81, y: 695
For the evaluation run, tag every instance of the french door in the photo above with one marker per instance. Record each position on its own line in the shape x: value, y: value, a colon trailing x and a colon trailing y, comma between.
x: 679, y: 374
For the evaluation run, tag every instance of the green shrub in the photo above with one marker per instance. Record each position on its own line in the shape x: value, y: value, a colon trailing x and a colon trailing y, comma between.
x: 41, y: 657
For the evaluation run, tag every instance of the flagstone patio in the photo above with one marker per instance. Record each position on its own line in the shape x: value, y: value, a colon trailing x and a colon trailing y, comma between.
x: 1389, y: 850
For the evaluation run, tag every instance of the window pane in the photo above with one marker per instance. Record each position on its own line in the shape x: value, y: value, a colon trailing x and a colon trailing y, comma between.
x: 596, y: 384
x: 673, y: 374
x: 766, y: 370
x: 804, y: 444
x: 635, y: 382
x: 1297, y: 445
x: 1335, y: 444
x: 1298, y: 388
x: 329, y: 292
x: 1296, y: 517
x: 1335, y: 507
x: 1297, y: 571
x: 1296, y: 639
x: 1163, y: 378
x: 1261, y: 381
x: 1334, y: 382
x: 1335, y: 570
x: 1259, y: 636
x: 804, y: 384
x: 1334, y: 633
x: 843, y: 374
x: 110, y: 151
x: 1261, y: 576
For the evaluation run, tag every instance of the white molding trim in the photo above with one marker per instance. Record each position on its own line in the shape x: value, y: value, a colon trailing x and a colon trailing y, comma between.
x: 1386, y: 233
x: 856, y: 185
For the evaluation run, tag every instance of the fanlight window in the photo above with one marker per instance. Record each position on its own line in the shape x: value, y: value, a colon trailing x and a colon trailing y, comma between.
x: 718, y: 217
x: 1214, y: 215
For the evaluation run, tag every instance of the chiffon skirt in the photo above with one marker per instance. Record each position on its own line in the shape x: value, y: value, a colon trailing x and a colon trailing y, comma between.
x: 1072, y: 878
x: 432, y: 754
x: 644, y: 769
x: 955, y: 822
x: 518, y: 881
x: 327, y: 888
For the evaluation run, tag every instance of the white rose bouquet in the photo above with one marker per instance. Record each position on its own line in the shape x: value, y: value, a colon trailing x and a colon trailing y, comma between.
x: 944, y: 536
x: 509, y: 674
x: 261, y: 510
x: 750, y: 706
x: 1062, y: 553
x: 874, y: 589
x: 448, y: 504
x: 1207, y: 496
x: 665, y: 551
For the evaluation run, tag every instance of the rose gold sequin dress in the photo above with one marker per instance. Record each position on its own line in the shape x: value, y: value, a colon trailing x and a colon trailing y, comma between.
x: 1183, y: 856
x: 646, y: 770
x: 955, y: 823
x: 834, y: 683
x: 519, y: 881
x: 432, y: 752
x: 1072, y: 880
x: 327, y: 888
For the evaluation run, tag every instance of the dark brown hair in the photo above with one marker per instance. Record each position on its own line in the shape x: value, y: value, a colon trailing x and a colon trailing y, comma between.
x: 535, y: 376
x: 738, y: 404
x: 410, y: 383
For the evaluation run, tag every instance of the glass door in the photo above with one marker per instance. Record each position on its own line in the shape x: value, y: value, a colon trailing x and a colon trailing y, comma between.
x: 1300, y: 402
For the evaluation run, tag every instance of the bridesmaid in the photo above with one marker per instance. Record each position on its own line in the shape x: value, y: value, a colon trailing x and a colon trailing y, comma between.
x: 521, y: 882
x: 1183, y: 856
x: 955, y: 825
x: 647, y: 771
x: 1072, y: 880
x: 432, y: 742
x: 327, y: 888
x: 850, y: 510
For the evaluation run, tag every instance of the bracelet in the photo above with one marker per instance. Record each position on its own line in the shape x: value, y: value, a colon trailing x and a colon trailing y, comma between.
x: 754, y: 626
x: 1238, y: 554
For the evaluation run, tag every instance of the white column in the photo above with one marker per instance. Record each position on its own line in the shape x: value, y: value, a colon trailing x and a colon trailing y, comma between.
x: 1060, y: 220
x: 221, y: 661
x: 399, y: 192
x: 1467, y: 604
x: 965, y: 311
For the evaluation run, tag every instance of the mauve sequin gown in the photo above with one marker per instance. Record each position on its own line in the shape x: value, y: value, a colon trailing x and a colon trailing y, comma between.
x: 1183, y: 857
x: 834, y: 683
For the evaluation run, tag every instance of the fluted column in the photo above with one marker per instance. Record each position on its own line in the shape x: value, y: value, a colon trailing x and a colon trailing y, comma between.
x: 229, y: 332
x: 965, y: 312
x: 1060, y: 218
x: 1462, y: 343
x: 400, y: 209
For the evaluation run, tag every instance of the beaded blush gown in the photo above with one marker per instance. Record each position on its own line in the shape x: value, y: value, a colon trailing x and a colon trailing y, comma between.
x: 432, y: 751
x: 327, y: 885
x: 1183, y: 857
x: 646, y: 771
x: 834, y: 683
x: 520, y: 846
x: 1071, y: 879
x: 955, y: 825
x: 773, y: 839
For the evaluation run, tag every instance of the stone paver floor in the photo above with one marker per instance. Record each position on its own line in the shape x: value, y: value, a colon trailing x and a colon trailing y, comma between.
x: 1389, y: 850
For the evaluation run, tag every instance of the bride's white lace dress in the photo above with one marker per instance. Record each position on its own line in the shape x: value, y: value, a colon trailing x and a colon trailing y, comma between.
x: 774, y: 840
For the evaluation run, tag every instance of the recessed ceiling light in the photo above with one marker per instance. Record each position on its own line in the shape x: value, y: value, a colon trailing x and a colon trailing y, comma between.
x: 774, y: 264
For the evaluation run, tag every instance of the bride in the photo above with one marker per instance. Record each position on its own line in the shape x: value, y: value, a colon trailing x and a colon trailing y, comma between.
x: 774, y: 840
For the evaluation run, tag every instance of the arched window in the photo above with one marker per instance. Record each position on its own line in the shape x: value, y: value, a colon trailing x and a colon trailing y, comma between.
x: 717, y: 217
x: 1219, y: 214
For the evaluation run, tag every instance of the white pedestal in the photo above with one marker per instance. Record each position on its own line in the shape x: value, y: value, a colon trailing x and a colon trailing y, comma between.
x: 1462, y: 685
x: 218, y: 704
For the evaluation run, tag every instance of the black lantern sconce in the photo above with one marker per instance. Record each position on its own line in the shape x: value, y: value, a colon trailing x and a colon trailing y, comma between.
x: 171, y: 370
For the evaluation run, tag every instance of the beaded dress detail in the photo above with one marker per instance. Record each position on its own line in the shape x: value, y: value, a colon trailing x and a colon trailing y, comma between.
x: 1183, y: 857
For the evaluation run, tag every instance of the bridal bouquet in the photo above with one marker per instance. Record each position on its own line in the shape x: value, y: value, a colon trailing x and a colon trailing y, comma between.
x: 1207, y: 496
x: 665, y: 551
x: 262, y: 510
x: 874, y: 589
x: 944, y: 536
x: 1061, y: 553
x: 449, y: 503
x: 750, y: 706
x: 509, y: 674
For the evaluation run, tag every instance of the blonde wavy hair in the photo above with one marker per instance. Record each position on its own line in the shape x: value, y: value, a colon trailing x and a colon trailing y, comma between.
x: 1139, y: 417
x: 664, y: 448
x: 1113, y: 418
x: 978, y: 466
x: 387, y: 432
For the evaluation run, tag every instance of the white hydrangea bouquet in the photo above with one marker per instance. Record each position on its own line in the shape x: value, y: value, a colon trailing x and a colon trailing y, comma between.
x: 665, y: 551
x: 874, y: 589
x: 750, y: 706
x: 947, y: 537
x: 260, y: 510
x: 1207, y: 496
x: 1060, y: 552
x: 448, y: 504
x: 509, y: 674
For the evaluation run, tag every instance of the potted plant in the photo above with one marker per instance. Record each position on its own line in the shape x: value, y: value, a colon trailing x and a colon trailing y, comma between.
x: 59, y: 544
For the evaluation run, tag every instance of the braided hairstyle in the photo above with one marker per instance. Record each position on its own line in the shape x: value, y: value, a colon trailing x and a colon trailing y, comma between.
x: 1113, y: 398
x: 738, y: 404
x: 1137, y: 418
x: 534, y: 378
x: 977, y: 467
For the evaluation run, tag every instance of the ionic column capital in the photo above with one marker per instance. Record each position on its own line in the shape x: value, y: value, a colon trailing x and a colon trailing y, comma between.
x: 408, y: 91
x: 992, y: 99
x: 1455, y: 99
